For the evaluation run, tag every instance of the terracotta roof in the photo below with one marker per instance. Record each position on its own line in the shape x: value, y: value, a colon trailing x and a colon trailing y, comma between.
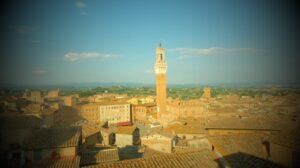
x: 246, y: 143
x: 89, y: 129
x: 19, y: 122
x: 261, y: 123
x: 245, y: 160
x: 106, y: 130
x: 242, y: 150
x: 126, y: 123
x: 191, y: 127
x: 49, y: 111
x: 100, y: 156
x: 103, y: 103
x: 108, y: 103
x: 199, y: 158
x: 54, y: 138
x: 8, y: 98
x: 287, y: 138
x: 145, y: 105
x: 125, y: 130
x: 161, y: 133
x: 67, y: 117
x: 66, y: 162
x: 148, y: 152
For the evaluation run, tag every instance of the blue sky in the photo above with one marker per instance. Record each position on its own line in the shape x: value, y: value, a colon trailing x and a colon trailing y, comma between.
x: 55, y: 42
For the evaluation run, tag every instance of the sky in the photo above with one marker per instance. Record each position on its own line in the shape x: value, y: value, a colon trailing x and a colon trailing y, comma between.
x: 206, y: 41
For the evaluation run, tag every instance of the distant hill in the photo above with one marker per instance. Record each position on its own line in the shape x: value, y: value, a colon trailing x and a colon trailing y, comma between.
x: 67, y: 86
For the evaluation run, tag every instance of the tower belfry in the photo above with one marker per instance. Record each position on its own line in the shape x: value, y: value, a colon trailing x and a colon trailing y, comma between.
x: 160, y: 69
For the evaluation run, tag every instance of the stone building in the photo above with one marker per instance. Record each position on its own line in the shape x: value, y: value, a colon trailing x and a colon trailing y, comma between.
x: 33, y: 108
x: 206, y: 93
x: 69, y: 100
x: 14, y: 131
x: 141, y: 112
x: 115, y: 113
x: 53, y: 93
x: 90, y: 134
x: 183, y: 109
x: 108, y: 137
x: 141, y: 100
x: 159, y: 141
x: 90, y: 112
x: 127, y: 135
x: 55, y: 103
x: 36, y: 96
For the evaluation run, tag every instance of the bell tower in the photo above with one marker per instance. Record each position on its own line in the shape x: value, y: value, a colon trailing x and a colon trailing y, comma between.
x: 160, y: 69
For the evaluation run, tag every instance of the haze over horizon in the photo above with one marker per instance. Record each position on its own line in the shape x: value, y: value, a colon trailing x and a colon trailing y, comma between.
x: 56, y: 42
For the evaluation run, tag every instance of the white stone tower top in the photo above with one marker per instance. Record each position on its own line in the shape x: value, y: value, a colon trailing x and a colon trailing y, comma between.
x: 160, y: 66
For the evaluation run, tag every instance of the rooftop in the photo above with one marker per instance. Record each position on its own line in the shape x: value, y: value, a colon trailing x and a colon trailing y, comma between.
x: 125, y: 130
x: 261, y: 123
x: 287, y: 138
x: 242, y: 150
x: 100, y: 156
x: 187, y: 126
x: 19, y: 122
x: 145, y: 105
x: 89, y: 129
x: 248, y: 143
x: 161, y: 133
x: 54, y: 138
x: 66, y: 162
x: 199, y: 158
x: 104, y: 103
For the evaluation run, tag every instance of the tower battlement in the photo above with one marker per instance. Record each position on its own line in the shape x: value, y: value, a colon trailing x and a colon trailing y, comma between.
x: 160, y: 66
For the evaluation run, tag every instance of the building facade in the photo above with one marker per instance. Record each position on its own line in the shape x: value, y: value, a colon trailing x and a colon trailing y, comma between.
x: 90, y: 112
x: 159, y: 142
x: 141, y: 112
x: 207, y: 93
x: 110, y: 112
x: 141, y: 100
x: 36, y: 96
x: 115, y: 113
x: 127, y: 136
x: 53, y: 93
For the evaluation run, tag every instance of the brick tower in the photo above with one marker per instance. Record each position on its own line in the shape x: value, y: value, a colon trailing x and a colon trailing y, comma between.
x: 160, y: 68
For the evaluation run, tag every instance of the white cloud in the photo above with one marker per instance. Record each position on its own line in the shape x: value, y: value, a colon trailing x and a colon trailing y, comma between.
x: 80, y: 4
x: 24, y: 29
x: 196, y: 52
x: 72, y: 56
x: 39, y: 71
